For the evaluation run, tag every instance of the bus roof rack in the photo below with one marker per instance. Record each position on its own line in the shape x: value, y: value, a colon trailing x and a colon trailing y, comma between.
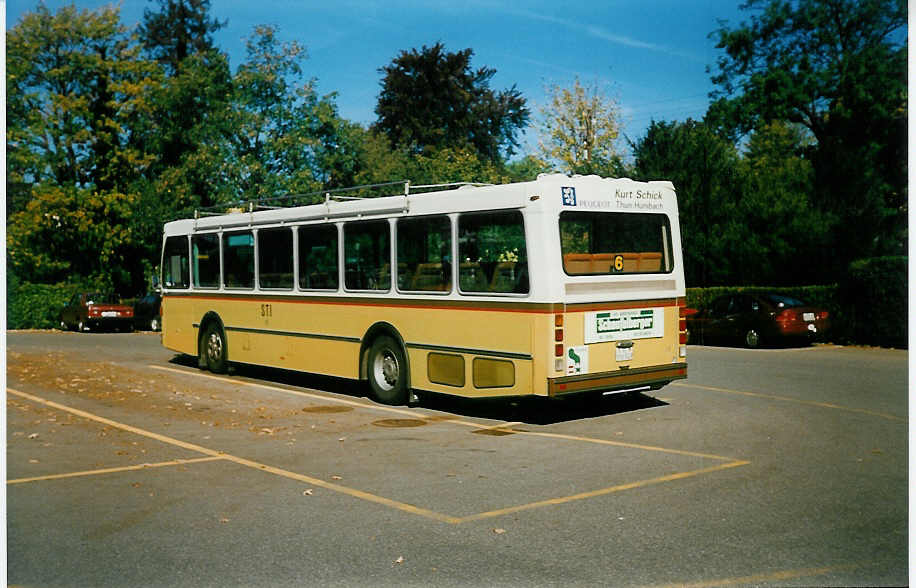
x: 336, y: 194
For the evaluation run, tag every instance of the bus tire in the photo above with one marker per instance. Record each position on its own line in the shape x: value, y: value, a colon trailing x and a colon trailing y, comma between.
x: 213, y: 349
x: 386, y: 369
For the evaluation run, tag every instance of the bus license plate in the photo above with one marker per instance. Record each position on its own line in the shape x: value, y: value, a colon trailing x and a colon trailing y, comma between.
x: 624, y: 353
x: 808, y: 316
x: 109, y: 313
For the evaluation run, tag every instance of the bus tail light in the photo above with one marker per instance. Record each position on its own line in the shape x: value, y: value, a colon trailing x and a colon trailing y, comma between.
x: 558, y: 334
x: 683, y: 311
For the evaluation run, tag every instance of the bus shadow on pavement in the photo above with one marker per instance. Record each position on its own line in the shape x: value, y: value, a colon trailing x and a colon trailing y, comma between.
x: 533, y: 410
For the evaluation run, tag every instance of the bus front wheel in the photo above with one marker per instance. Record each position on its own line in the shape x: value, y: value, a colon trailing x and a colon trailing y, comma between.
x: 213, y: 348
x: 387, y: 371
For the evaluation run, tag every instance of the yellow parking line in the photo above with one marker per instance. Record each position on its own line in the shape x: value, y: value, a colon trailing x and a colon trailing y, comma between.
x: 141, y: 466
x: 404, y: 507
x: 601, y: 492
x: 621, y: 444
x: 795, y: 400
x: 242, y: 461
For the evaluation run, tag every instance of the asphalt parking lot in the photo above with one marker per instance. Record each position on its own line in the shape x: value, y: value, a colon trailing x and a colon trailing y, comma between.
x: 126, y: 465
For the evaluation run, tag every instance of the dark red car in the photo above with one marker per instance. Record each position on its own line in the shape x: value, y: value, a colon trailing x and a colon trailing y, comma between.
x: 755, y: 319
x: 93, y: 310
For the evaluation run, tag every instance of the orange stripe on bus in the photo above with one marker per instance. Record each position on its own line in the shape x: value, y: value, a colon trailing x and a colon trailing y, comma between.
x: 487, y: 306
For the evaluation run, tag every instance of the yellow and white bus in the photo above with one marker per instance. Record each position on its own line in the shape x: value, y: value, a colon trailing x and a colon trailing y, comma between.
x: 556, y: 286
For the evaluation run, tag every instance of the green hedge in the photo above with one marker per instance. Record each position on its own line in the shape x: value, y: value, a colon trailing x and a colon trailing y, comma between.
x: 876, y: 292
x: 867, y: 307
x: 36, y: 306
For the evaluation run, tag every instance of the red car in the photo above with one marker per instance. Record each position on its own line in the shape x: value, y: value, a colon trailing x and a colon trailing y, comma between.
x: 93, y: 310
x: 755, y: 319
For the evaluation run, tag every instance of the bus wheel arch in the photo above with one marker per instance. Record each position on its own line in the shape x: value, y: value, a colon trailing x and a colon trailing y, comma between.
x: 383, y: 362
x: 212, y: 344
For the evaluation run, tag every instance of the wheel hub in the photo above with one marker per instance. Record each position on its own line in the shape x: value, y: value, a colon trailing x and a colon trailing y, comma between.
x: 390, y: 369
x: 214, y: 347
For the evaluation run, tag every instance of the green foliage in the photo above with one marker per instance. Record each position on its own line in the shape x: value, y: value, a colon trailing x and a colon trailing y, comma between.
x: 281, y: 132
x: 36, y: 306
x: 526, y: 169
x: 837, y: 67
x: 705, y: 171
x: 380, y: 163
x: 75, y: 83
x: 180, y: 30
x: 876, y: 292
x: 432, y: 99
x: 783, y: 237
x: 69, y: 233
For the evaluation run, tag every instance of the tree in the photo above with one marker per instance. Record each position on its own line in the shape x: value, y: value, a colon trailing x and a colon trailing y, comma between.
x: 579, y: 130
x: 283, y: 137
x: 526, y: 169
x: 433, y: 99
x: 180, y: 29
x: 379, y: 162
x: 188, y: 110
x: 704, y: 169
x: 786, y: 240
x: 837, y: 67
x: 75, y: 85
x: 69, y: 233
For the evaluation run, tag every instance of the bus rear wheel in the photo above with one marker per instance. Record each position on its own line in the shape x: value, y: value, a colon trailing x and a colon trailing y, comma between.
x: 387, y: 371
x: 213, y: 348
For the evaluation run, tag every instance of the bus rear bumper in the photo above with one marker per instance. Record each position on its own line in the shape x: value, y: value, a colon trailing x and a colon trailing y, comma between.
x: 624, y: 379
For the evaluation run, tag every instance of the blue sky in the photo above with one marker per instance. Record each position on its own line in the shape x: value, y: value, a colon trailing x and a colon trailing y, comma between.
x: 650, y: 55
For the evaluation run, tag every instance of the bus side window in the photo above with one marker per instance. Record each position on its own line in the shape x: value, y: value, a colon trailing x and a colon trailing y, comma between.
x: 493, y: 257
x: 275, y: 258
x: 367, y: 255
x: 424, y: 254
x: 206, y: 260
x: 318, y: 257
x: 175, y: 263
x: 238, y: 259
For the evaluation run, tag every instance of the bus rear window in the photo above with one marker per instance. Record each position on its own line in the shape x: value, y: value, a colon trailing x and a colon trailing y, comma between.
x: 601, y: 243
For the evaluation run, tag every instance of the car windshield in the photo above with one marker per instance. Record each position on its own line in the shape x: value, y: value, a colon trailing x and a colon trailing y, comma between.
x: 784, y: 301
x: 97, y: 298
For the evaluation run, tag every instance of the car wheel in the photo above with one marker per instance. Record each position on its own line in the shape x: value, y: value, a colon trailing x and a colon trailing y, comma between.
x: 82, y: 327
x: 387, y: 371
x: 752, y: 339
x: 63, y: 326
x: 213, y: 348
x: 154, y: 324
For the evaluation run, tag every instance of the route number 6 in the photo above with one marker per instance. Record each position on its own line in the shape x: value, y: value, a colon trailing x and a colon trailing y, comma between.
x: 618, y: 263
